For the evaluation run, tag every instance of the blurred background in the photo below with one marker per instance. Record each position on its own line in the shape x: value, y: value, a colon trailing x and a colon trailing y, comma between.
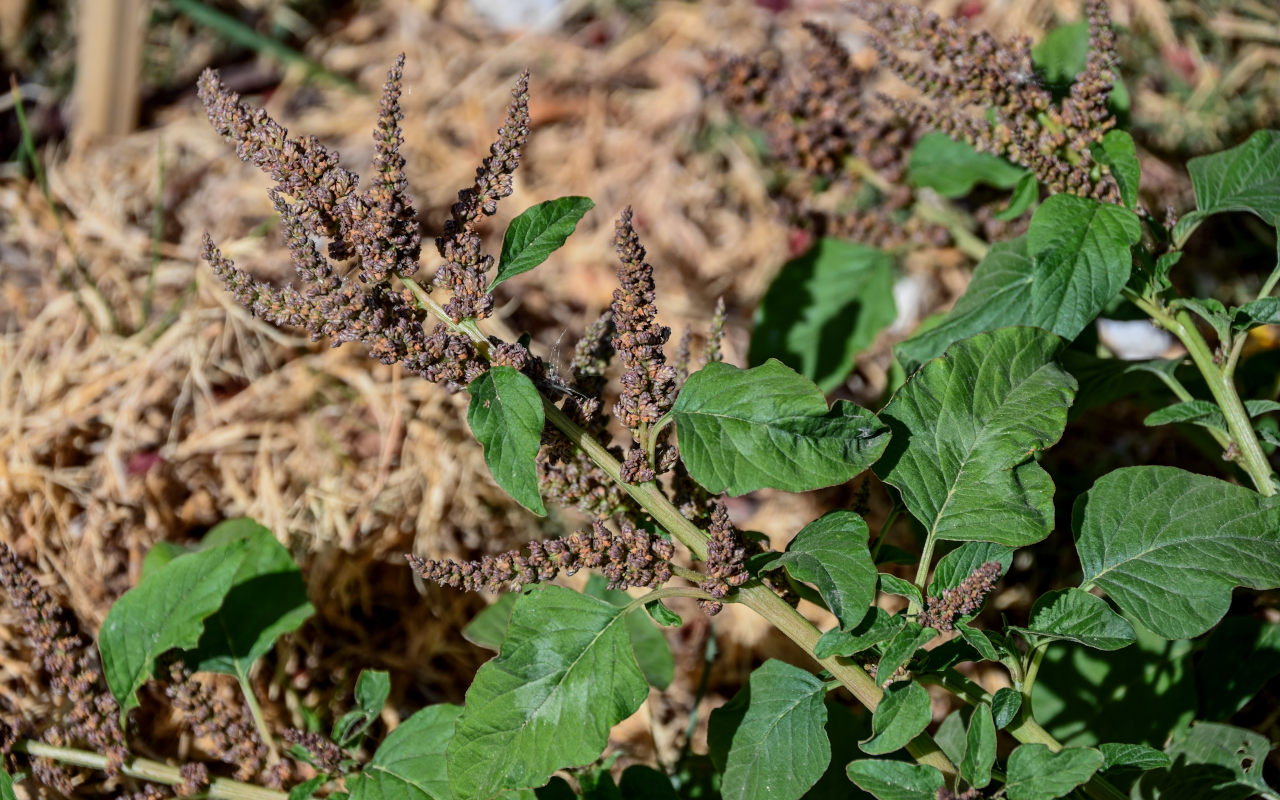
x: 138, y: 403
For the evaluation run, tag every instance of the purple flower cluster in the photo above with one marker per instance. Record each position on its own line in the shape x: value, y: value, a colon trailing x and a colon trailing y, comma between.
x: 940, y: 613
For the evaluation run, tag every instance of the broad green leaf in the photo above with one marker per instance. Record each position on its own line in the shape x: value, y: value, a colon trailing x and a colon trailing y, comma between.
x: 659, y: 613
x: 876, y: 626
x: 892, y: 584
x: 1074, y: 615
x: 1240, y: 656
x: 1244, y: 178
x: 960, y: 563
x: 164, y: 612
x: 1132, y: 756
x: 1074, y: 260
x: 1168, y: 546
x: 536, y: 233
x: 742, y: 430
x: 966, y: 429
x: 953, y: 168
x: 161, y: 553
x: 640, y: 782
x: 831, y: 553
x: 896, y: 780
x: 6, y: 785
x: 950, y: 735
x: 1005, y: 705
x: 489, y: 627
x: 372, y: 689
x: 843, y: 732
x: 1211, y: 761
x: 902, y: 715
x: 1263, y: 311
x: 410, y: 763
x: 980, y: 747
x: 1117, y: 152
x: 268, y: 598
x: 652, y: 652
x: 979, y: 641
x: 823, y: 308
x: 506, y: 417
x: 904, y: 644
x: 565, y: 676
x: 307, y: 789
x: 778, y: 749
x: 1037, y: 773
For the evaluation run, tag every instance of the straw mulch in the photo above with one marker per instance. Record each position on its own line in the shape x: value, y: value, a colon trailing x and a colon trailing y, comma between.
x: 138, y: 403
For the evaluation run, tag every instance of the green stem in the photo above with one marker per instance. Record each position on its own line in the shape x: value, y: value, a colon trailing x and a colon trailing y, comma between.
x: 922, y: 572
x: 1033, y: 670
x: 664, y: 592
x: 883, y: 533
x: 260, y: 722
x: 957, y: 223
x: 147, y: 770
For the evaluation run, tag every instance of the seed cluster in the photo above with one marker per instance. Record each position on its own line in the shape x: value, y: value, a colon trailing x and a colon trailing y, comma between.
x: 632, y: 558
x: 92, y: 717
x: 223, y: 730
x: 726, y: 567
x: 326, y: 755
x: 940, y: 613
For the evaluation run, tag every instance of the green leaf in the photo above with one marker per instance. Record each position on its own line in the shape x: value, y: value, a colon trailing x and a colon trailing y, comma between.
x: 1005, y: 705
x: 659, y: 613
x: 1063, y: 54
x: 6, y: 785
x: 876, y: 626
x: 1074, y: 260
x: 950, y: 734
x: 268, y: 598
x: 892, y: 584
x: 565, y: 676
x: 164, y: 612
x: 652, y: 652
x: 1263, y: 311
x: 506, y: 417
x: 161, y: 553
x: 1199, y: 412
x: 831, y: 553
x: 778, y: 748
x: 307, y: 789
x: 1038, y: 773
x: 1132, y: 756
x: 489, y: 627
x: 1244, y: 178
x: 1240, y: 656
x: 742, y: 430
x: 1074, y: 615
x: 410, y: 763
x: 1210, y: 760
x: 896, y: 780
x: 1026, y: 192
x: 904, y: 644
x: 902, y: 715
x: 640, y: 782
x: 979, y: 641
x: 966, y: 429
x: 960, y: 563
x: 980, y: 747
x: 1168, y: 546
x: 823, y: 308
x: 953, y: 168
x: 372, y: 689
x: 536, y: 233
x: 1117, y: 152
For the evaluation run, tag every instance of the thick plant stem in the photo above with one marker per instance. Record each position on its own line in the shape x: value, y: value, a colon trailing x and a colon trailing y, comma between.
x: 147, y: 770
x: 1221, y: 387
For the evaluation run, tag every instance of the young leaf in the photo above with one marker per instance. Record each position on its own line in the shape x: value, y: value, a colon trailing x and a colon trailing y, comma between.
x: 823, y: 308
x: 909, y: 638
x: 372, y: 689
x: 307, y: 789
x: 1244, y: 178
x: 953, y: 168
x: 892, y: 584
x: 1210, y: 760
x: 896, y: 780
x: 506, y: 417
x: 268, y: 598
x: 662, y: 615
x: 966, y: 429
x: 536, y: 233
x: 1075, y: 615
x: 742, y: 430
x: 960, y: 563
x: 565, y: 676
x: 876, y: 626
x: 1168, y: 546
x: 902, y: 715
x: 1117, y: 152
x: 6, y: 785
x: 1038, y: 773
x: 410, y: 764
x: 1132, y: 756
x: 979, y: 641
x: 653, y: 654
x: 980, y: 747
x: 831, y: 553
x: 164, y: 612
x: 1005, y: 705
x: 1263, y: 311
x: 489, y: 627
x: 1026, y: 192
x: 779, y: 748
